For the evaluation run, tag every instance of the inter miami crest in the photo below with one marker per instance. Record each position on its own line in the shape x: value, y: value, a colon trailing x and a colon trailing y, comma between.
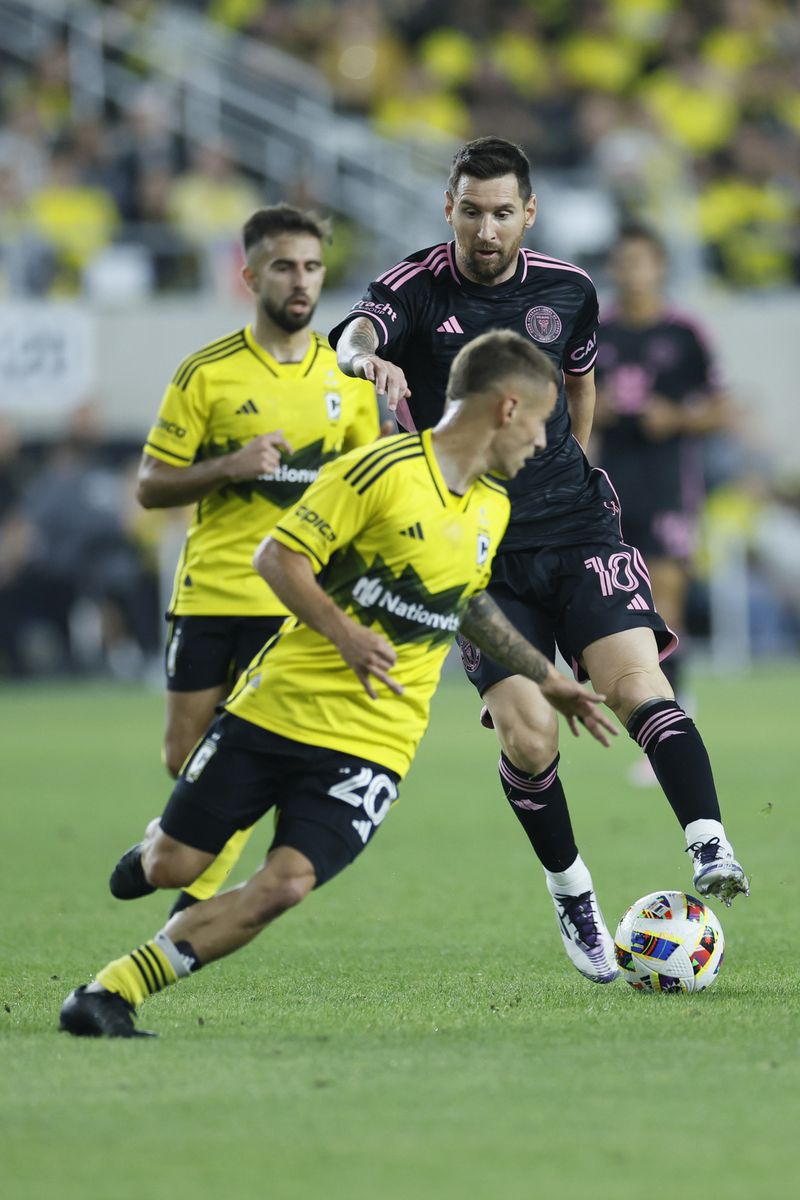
x: 470, y: 654
x: 542, y: 323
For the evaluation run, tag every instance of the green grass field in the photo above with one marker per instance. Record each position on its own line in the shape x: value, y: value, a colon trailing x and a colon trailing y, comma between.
x: 414, y: 1031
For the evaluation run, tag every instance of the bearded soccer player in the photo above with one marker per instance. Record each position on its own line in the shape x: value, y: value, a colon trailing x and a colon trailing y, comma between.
x: 244, y: 427
x: 563, y: 576
x: 383, y: 558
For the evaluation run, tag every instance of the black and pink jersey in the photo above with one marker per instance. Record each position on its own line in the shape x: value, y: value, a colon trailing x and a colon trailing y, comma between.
x: 424, y: 310
x: 669, y: 358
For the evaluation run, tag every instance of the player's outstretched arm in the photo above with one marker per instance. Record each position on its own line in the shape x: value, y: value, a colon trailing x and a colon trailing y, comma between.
x: 160, y: 485
x: 291, y: 577
x: 356, y: 356
x: 486, y: 626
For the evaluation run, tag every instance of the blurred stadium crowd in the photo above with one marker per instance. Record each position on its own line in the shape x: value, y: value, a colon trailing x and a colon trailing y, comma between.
x: 686, y: 116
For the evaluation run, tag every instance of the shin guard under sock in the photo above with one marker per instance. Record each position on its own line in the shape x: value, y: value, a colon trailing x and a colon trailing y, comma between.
x: 678, y: 757
x: 540, y: 806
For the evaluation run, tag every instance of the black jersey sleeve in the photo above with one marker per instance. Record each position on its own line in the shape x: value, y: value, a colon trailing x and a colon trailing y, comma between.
x: 707, y: 374
x: 390, y: 313
x: 580, y: 351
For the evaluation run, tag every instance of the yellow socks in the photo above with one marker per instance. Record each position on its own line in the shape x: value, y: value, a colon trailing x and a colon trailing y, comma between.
x: 148, y: 969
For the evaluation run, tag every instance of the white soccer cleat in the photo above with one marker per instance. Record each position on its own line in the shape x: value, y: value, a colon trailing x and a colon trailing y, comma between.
x: 588, y: 944
x: 716, y: 871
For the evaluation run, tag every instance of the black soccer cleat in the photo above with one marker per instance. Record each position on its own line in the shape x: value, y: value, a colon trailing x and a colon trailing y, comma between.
x: 128, y: 880
x: 99, y: 1014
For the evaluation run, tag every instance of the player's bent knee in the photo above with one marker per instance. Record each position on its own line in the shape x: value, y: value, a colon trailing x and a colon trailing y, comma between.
x: 530, y: 749
x: 526, y: 725
x: 632, y: 688
x: 267, y: 899
x: 529, y: 740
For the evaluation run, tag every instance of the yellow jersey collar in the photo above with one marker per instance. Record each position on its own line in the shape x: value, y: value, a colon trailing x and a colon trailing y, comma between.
x: 269, y: 360
x: 448, y: 498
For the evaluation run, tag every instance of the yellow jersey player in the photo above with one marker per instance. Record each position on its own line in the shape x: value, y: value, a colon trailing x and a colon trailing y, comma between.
x: 244, y: 427
x: 385, y: 556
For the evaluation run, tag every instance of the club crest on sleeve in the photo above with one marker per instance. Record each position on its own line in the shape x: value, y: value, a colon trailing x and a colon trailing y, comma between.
x: 470, y: 654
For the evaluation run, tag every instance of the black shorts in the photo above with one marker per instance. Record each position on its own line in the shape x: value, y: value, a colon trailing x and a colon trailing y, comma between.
x: 568, y: 597
x: 328, y: 804
x: 659, y: 502
x: 207, y: 652
x: 662, y: 532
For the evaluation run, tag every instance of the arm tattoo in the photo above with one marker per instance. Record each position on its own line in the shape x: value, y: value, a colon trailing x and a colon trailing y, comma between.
x: 359, y: 338
x: 484, y: 624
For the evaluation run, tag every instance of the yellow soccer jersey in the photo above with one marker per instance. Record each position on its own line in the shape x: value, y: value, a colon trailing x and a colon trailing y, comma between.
x: 219, y: 399
x: 399, y: 553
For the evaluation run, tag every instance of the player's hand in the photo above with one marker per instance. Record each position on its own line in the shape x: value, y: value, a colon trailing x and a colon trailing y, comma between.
x: 660, y: 419
x: 261, y: 456
x: 369, y: 656
x: 389, y: 380
x: 578, y: 705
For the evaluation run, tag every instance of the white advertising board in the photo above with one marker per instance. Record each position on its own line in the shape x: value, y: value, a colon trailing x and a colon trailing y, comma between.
x: 48, y: 362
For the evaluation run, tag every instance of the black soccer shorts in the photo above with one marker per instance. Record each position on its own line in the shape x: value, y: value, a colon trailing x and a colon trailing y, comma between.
x: 207, y: 652
x: 568, y: 597
x: 663, y: 533
x: 328, y: 804
x: 659, y: 512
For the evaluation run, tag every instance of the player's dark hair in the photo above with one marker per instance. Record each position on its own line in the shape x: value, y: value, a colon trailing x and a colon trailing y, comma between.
x: 494, y: 356
x: 636, y: 232
x: 283, y: 218
x: 490, y: 158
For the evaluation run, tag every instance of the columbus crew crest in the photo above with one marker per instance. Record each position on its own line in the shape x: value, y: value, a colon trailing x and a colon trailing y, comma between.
x: 542, y: 323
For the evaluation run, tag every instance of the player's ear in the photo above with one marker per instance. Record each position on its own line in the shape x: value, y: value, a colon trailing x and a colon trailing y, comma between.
x: 530, y: 211
x: 249, y: 279
x: 448, y: 208
x: 508, y: 407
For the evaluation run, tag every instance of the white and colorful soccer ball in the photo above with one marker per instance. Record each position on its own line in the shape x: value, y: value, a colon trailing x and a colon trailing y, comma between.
x: 669, y: 942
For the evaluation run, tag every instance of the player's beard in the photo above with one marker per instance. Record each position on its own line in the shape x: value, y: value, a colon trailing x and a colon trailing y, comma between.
x: 486, y: 271
x: 285, y: 320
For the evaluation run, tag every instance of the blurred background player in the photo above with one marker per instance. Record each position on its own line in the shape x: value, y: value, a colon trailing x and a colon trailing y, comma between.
x: 327, y: 720
x: 243, y: 428
x: 658, y: 398
x: 563, y: 576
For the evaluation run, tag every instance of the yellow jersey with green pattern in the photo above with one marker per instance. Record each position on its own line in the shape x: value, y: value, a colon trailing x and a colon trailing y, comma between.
x: 218, y: 400
x: 402, y: 555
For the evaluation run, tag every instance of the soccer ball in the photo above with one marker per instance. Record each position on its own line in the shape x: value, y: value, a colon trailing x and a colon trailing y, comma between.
x: 669, y: 942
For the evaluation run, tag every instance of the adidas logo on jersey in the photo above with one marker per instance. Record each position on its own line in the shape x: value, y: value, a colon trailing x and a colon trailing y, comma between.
x: 451, y: 325
x: 249, y: 406
x: 413, y: 531
x: 638, y: 604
